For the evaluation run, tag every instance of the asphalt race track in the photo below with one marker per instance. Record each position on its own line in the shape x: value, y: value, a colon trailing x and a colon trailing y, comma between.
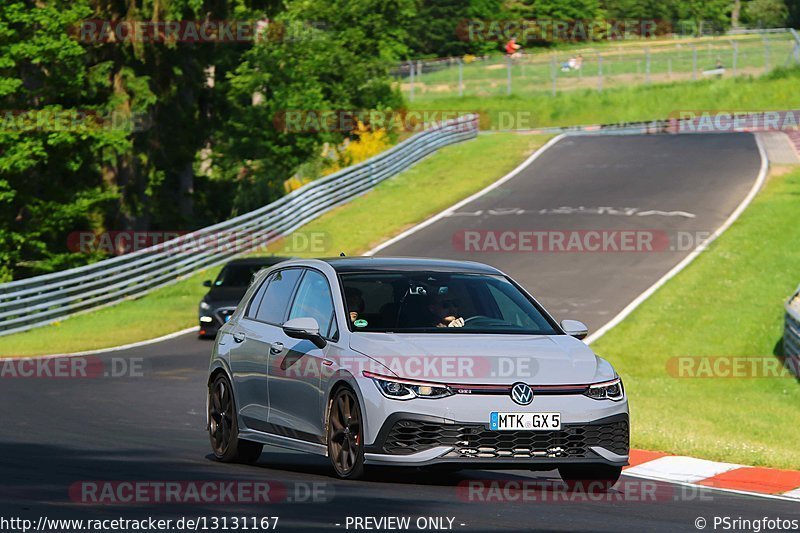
x: 672, y: 187
x: 150, y: 425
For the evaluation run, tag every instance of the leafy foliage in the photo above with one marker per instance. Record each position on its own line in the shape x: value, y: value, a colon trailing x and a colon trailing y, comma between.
x: 140, y: 135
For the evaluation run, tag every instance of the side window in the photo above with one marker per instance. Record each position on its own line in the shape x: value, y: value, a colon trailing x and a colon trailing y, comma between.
x: 333, y: 331
x: 314, y: 300
x: 276, y: 298
x: 255, y: 301
x: 511, y: 311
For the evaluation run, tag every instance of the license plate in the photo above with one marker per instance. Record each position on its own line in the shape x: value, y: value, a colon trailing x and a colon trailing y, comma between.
x: 525, y: 421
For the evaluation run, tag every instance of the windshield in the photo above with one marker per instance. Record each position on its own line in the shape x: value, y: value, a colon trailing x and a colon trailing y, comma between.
x: 413, y: 302
x: 237, y: 275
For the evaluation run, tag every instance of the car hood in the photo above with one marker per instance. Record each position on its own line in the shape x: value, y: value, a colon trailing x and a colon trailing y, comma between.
x: 483, y: 359
x: 225, y: 295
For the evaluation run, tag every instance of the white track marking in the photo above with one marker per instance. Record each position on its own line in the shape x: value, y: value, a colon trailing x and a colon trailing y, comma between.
x: 792, y: 494
x: 450, y: 210
x: 109, y: 350
x: 682, y: 469
x: 762, y: 176
x: 784, y: 497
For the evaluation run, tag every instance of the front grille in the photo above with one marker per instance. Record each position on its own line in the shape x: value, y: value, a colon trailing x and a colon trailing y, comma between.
x: 412, y: 436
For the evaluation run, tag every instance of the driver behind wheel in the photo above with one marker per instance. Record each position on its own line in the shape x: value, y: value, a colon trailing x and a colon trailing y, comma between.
x: 446, y: 311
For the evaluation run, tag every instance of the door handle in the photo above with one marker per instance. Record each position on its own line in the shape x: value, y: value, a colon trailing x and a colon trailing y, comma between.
x: 238, y: 337
x: 276, y: 348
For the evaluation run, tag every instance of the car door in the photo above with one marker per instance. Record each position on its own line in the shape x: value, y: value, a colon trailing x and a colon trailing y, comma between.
x: 295, y: 372
x: 258, y: 333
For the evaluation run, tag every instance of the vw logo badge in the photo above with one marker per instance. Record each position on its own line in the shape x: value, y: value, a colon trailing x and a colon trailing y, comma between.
x: 521, y: 393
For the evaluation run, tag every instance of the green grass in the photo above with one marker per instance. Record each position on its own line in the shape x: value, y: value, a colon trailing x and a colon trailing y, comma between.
x: 728, y: 302
x: 777, y: 90
x: 446, y: 177
x: 621, y: 66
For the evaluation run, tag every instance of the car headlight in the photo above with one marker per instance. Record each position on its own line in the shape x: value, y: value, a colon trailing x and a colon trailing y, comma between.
x: 406, y: 389
x: 608, y: 390
x: 204, y: 306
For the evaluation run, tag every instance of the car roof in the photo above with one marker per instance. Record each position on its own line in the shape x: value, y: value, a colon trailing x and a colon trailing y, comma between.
x: 257, y: 261
x: 367, y: 264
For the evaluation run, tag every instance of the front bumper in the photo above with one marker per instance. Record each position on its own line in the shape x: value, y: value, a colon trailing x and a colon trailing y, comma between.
x: 408, y: 439
x: 455, y: 430
x: 212, y: 319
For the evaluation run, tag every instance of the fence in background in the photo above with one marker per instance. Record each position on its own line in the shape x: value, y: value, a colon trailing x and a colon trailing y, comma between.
x: 34, y: 302
x: 791, y: 332
x: 601, y: 67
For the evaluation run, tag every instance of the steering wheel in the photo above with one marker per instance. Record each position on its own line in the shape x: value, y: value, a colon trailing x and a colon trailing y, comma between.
x: 477, y: 318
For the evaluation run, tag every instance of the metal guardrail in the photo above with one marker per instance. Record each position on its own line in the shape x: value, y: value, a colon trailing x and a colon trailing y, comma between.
x: 706, y: 122
x: 791, y: 332
x: 41, y: 300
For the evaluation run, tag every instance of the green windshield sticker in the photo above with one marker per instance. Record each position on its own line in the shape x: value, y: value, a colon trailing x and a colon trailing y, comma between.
x: 360, y: 323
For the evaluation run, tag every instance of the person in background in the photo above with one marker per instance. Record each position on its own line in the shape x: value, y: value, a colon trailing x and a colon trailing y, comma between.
x: 355, y: 302
x: 512, y: 48
x: 445, y: 311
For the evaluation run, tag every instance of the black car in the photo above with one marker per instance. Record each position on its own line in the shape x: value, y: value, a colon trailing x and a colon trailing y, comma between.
x: 227, y: 290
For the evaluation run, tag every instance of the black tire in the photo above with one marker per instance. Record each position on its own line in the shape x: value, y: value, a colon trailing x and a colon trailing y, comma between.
x: 590, y: 477
x: 346, y: 435
x: 223, y: 428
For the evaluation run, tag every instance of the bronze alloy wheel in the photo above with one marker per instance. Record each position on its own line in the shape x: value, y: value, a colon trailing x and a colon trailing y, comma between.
x: 223, y: 428
x: 345, y: 435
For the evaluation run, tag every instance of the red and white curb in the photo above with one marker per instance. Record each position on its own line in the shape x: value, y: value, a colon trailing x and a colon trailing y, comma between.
x: 768, y: 482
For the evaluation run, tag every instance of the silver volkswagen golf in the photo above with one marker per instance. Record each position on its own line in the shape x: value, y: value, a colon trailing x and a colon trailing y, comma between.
x: 412, y: 362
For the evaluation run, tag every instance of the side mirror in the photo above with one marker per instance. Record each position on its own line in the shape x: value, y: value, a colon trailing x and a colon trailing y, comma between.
x: 575, y: 328
x: 207, y: 283
x: 304, y: 328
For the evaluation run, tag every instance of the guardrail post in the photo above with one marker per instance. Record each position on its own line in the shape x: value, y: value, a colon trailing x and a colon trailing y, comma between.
x: 791, y: 334
x: 694, y: 63
x: 460, y: 77
x: 735, y: 56
x: 508, y: 75
x: 599, y: 73
x: 411, y: 80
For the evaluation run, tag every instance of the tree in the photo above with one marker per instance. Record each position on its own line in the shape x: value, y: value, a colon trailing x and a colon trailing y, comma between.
x: 766, y: 13
x: 316, y: 56
x: 793, y: 8
x: 58, y: 130
x: 438, y: 28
